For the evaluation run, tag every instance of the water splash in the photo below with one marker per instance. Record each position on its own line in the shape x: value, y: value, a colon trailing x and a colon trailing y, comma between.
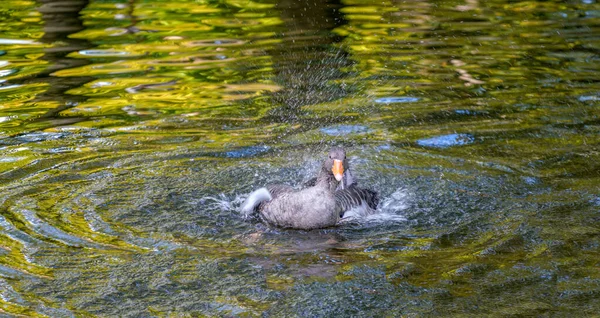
x: 224, y: 203
x: 388, y: 210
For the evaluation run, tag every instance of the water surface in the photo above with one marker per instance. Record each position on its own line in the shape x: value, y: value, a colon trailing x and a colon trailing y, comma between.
x: 131, y: 131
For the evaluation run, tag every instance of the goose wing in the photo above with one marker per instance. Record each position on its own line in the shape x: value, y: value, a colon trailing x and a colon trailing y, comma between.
x: 352, y: 197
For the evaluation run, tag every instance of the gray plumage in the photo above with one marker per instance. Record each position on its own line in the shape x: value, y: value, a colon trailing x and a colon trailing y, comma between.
x: 349, y: 196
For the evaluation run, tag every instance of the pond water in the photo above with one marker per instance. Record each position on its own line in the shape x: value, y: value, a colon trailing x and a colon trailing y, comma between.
x: 131, y: 131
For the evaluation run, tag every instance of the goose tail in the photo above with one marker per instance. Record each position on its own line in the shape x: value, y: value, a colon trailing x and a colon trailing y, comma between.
x: 254, y: 199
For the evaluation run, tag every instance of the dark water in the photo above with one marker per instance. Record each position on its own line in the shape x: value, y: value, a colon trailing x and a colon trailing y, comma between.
x: 130, y: 132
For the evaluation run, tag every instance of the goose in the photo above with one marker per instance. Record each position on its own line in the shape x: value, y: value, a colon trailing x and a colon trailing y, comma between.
x: 319, y: 205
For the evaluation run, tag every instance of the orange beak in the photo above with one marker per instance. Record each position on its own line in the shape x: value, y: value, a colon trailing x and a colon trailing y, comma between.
x: 338, y: 169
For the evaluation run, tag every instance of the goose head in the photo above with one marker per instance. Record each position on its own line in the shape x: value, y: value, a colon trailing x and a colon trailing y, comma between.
x: 336, y: 163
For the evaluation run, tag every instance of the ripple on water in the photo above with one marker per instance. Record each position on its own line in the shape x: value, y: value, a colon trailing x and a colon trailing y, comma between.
x: 247, y: 152
x: 11, y: 159
x: 101, y: 84
x: 589, y: 98
x: 530, y: 180
x: 401, y: 99
x: 11, y: 231
x: 468, y: 112
x: 342, y: 130
x: 103, y: 53
x: 215, y: 42
x: 49, y: 231
x: 8, y: 87
x: 17, y: 41
x: 40, y: 136
x: 7, y: 72
x: 446, y: 141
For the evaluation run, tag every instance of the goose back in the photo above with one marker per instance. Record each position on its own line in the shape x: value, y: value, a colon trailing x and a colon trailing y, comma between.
x: 311, y: 208
x: 276, y: 190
